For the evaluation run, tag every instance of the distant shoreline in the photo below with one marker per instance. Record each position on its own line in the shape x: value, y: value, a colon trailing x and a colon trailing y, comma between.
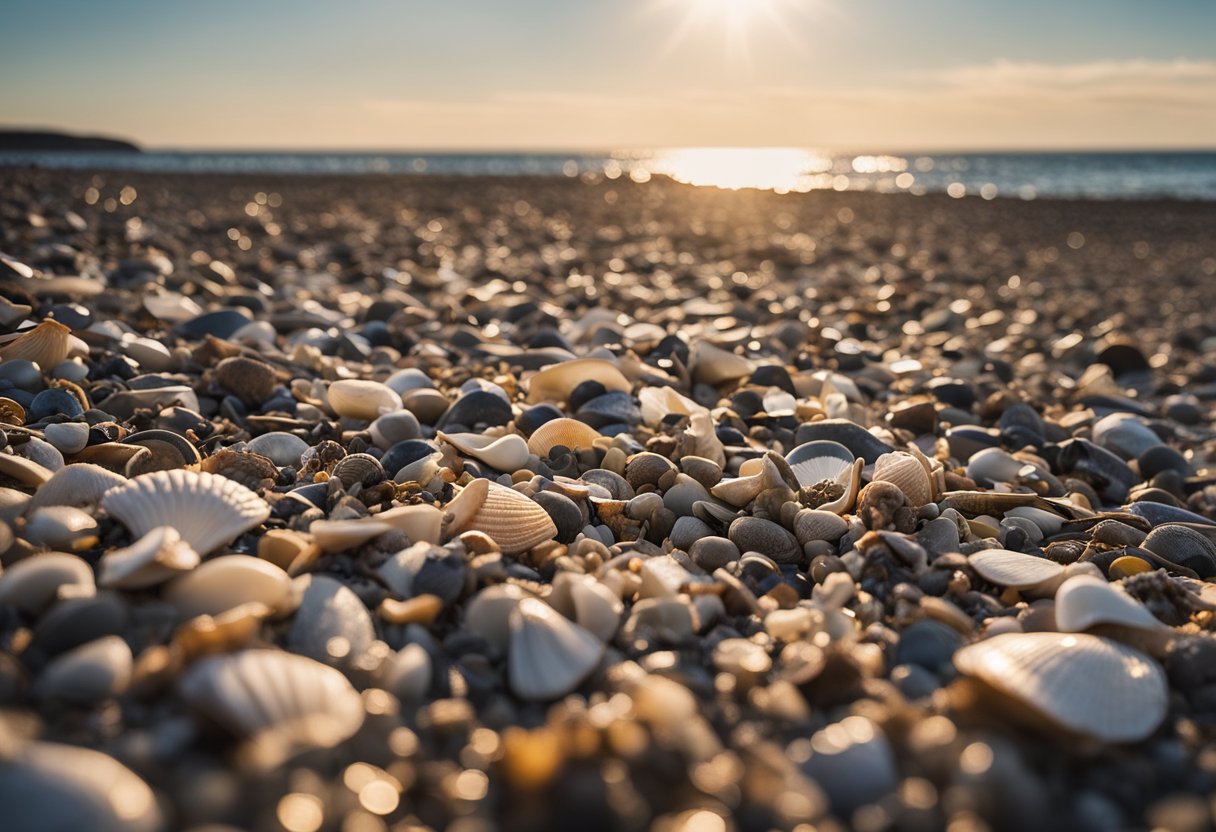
x: 50, y: 141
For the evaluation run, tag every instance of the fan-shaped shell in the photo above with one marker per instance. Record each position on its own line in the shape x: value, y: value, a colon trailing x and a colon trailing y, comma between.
x: 588, y: 603
x: 360, y: 399
x: 814, y: 462
x: 1004, y: 567
x: 549, y: 656
x: 906, y: 473
x: 1085, y: 601
x: 1086, y: 684
x: 279, y: 701
x: 554, y: 383
x: 511, y: 520
x: 156, y: 557
x: 207, y: 510
x: 569, y: 433
x: 229, y: 581
x: 46, y: 345
x: 503, y: 453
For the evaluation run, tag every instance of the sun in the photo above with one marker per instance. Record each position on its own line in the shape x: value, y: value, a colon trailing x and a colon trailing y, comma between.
x: 736, y: 21
x: 731, y: 11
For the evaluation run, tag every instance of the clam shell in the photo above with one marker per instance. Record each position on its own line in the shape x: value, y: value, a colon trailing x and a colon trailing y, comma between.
x: 814, y: 462
x: 89, y: 673
x: 906, y: 473
x: 1085, y: 601
x: 279, y: 701
x: 816, y: 524
x: 510, y: 519
x: 331, y: 625
x: 229, y: 581
x: 360, y: 399
x: 206, y: 509
x: 548, y: 656
x: 994, y: 465
x: 569, y: 433
x: 279, y: 447
x: 60, y: 527
x: 1184, y: 546
x: 168, y: 451
x: 588, y: 603
x: 155, y: 558
x: 46, y: 345
x: 1088, y: 685
x: 503, y: 453
x: 44, y: 453
x: 554, y: 383
x: 1004, y: 567
x: 33, y: 583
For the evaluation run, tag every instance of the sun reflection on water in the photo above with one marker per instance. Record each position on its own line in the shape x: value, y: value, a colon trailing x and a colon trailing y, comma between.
x: 781, y: 169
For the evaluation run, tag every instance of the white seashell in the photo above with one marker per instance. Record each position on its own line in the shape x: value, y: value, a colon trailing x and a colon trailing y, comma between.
x: 359, y: 399
x: 1086, y: 684
x: 207, y: 510
x: 713, y: 365
x: 657, y: 403
x: 504, y: 453
x: 1084, y: 601
x: 43, y: 453
x: 67, y: 437
x: 24, y: 471
x: 993, y: 465
x: 31, y: 584
x: 156, y: 557
x: 81, y: 485
x: 279, y: 701
x: 701, y: 439
x: 511, y: 520
x: 548, y: 655
x: 554, y: 383
x: 569, y: 433
x: 60, y: 527
x: 229, y: 581
x: 48, y: 786
x: 279, y: 447
x: 420, y: 522
x: 88, y: 674
x: 905, y: 472
x: 331, y: 624
x: 740, y: 491
x: 588, y: 603
x: 488, y: 613
x: 1004, y: 567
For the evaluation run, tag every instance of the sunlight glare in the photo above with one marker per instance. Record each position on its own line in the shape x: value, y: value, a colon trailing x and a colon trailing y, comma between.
x: 780, y: 169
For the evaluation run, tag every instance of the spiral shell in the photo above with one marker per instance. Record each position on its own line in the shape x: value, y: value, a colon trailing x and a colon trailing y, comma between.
x: 511, y: 520
x: 569, y: 433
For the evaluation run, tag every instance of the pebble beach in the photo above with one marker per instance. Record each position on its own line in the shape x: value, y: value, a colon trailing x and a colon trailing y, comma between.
x: 390, y: 502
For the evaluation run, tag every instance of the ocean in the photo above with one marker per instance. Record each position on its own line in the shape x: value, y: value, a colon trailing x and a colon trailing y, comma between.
x: 1099, y: 175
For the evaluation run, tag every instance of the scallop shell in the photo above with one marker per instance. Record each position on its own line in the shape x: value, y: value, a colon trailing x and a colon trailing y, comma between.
x: 713, y: 365
x: 569, y: 433
x: 1004, y: 567
x: 359, y: 399
x: 1086, y: 684
x: 229, y: 581
x: 548, y: 656
x: 1085, y: 601
x: 88, y: 674
x: 155, y: 558
x: 554, y: 383
x: 206, y: 509
x: 33, y: 583
x: 588, y: 603
x: 906, y: 473
x: 46, y: 345
x: 503, y: 453
x: 511, y: 520
x: 814, y: 462
x: 280, y: 702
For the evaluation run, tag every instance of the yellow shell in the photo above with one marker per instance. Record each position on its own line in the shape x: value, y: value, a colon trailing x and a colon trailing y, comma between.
x: 46, y: 345
x: 554, y: 383
x: 570, y: 433
x: 511, y: 520
x: 908, y: 474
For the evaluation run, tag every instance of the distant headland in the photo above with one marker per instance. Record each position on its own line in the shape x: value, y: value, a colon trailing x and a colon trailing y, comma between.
x: 51, y: 141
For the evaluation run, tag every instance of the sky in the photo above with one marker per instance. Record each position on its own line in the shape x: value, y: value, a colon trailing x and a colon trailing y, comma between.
x: 894, y: 75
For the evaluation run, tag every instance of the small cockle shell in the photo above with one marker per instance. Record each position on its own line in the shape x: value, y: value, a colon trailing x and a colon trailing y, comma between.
x: 363, y: 469
x: 548, y: 656
x: 503, y: 453
x: 554, y: 383
x: 31, y: 584
x: 569, y: 433
x: 588, y: 603
x: 906, y: 473
x: 156, y: 557
x: 229, y: 581
x: 206, y: 509
x: 1004, y: 567
x: 88, y: 674
x: 359, y: 399
x: 46, y: 345
x: 1086, y: 684
x: 1085, y: 601
x: 279, y: 701
x: 513, y: 521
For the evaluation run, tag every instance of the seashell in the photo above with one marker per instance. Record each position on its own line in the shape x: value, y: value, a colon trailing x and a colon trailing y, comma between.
x: 657, y: 403
x: 362, y: 469
x: 359, y: 399
x: 488, y: 613
x: 225, y: 582
x: 753, y: 534
x: 331, y: 624
x: 815, y: 462
x: 207, y: 510
x: 168, y: 451
x: 33, y: 583
x: 701, y: 439
x: 418, y: 522
x: 113, y: 456
x: 281, y: 703
x: 68, y: 437
x: 48, y: 786
x: 250, y: 380
x: 991, y: 465
x: 24, y: 471
x: 816, y: 524
x: 123, y: 405
x: 251, y: 470
x: 46, y: 345
x: 568, y: 433
x: 1004, y: 567
x: 88, y: 674
x: 713, y: 365
x: 427, y: 404
x: 44, y: 453
x: 1184, y: 546
x: 342, y: 535
x: 1084, y: 601
x: 906, y: 473
x: 588, y: 603
x: 554, y: 383
x: 155, y: 558
x: 548, y: 656
x: 511, y: 520
x: 1085, y: 684
x: 289, y: 550
x: 60, y: 527
x: 504, y: 453
x: 394, y: 427
x: 279, y: 447
x: 1048, y: 522
x: 11, y: 412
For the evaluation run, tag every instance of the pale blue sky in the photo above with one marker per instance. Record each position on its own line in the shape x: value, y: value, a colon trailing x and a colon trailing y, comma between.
x: 616, y: 73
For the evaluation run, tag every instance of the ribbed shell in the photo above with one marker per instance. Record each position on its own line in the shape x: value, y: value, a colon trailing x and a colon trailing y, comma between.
x: 511, y: 520
x: 503, y: 453
x: 206, y: 509
x: 569, y: 433
x: 280, y: 700
x: 1014, y: 569
x: 1086, y: 684
x: 554, y: 383
x: 364, y: 469
x: 549, y: 656
x: 814, y: 462
x: 905, y: 472
x: 154, y: 558
x: 46, y: 345
x: 1085, y: 601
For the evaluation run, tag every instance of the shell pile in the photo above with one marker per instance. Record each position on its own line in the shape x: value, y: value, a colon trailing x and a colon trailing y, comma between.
x: 395, y: 518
